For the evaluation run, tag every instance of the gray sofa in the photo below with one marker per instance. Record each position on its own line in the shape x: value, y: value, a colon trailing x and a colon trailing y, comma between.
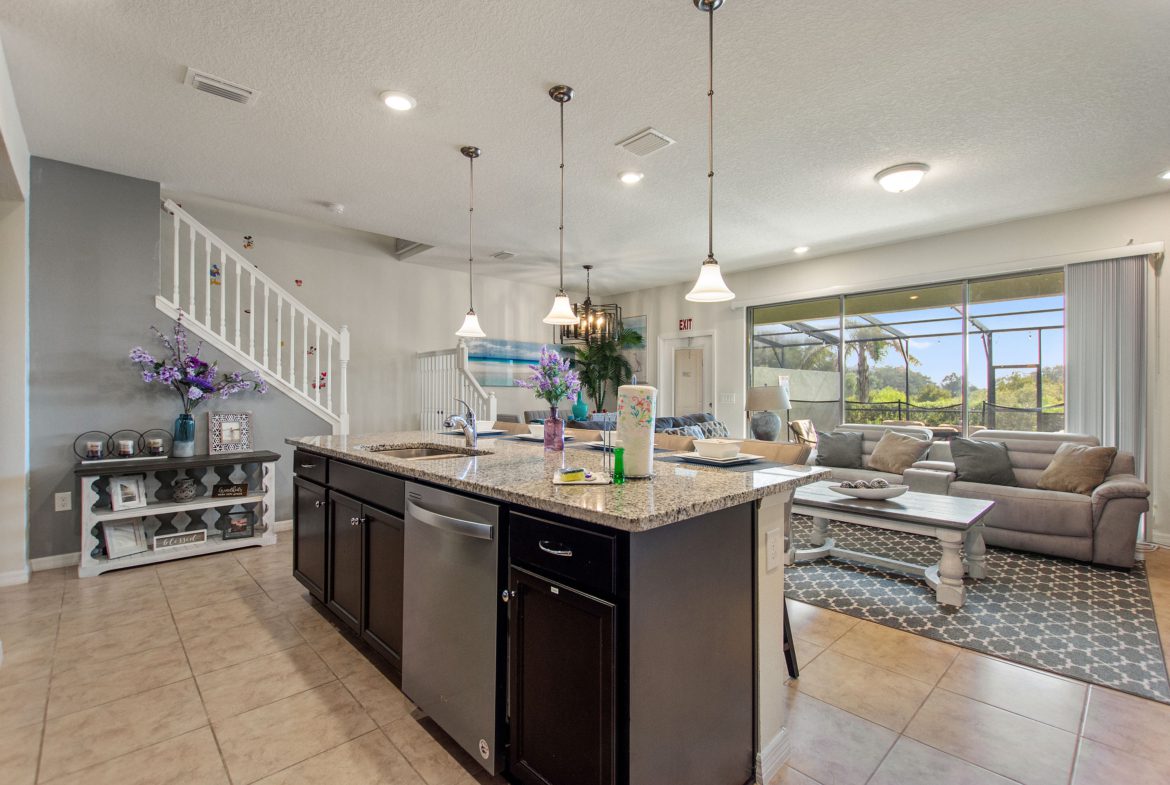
x: 870, y: 436
x: 1100, y: 528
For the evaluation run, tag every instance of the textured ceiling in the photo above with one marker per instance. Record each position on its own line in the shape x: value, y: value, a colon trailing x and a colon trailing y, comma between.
x: 1019, y: 108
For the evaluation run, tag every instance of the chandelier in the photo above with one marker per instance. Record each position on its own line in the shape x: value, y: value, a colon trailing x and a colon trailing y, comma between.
x: 595, y: 323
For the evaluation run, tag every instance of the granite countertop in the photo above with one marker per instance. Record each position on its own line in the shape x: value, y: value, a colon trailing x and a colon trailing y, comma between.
x: 522, y: 473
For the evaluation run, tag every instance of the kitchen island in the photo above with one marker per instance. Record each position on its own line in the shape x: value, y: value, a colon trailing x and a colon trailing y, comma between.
x: 560, y: 634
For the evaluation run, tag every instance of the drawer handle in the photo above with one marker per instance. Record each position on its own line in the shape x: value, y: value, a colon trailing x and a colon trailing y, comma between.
x: 308, y: 466
x: 554, y: 549
x: 318, y: 504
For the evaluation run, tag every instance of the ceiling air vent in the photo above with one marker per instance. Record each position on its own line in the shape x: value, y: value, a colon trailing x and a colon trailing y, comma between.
x: 646, y: 141
x: 503, y: 255
x: 404, y: 249
x: 206, y: 83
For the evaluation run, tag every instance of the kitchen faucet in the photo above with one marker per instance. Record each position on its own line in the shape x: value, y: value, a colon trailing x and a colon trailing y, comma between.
x: 466, y: 423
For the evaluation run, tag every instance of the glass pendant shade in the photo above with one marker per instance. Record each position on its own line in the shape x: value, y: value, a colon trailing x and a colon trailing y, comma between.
x: 562, y: 311
x: 470, y: 328
x: 710, y: 287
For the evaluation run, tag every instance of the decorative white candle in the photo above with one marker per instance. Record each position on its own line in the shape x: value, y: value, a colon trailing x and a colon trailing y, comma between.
x: 125, y: 447
x: 93, y: 450
x: 637, y: 407
x: 154, y: 445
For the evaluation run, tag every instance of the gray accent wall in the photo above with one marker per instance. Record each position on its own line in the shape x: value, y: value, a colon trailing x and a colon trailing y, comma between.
x: 93, y: 275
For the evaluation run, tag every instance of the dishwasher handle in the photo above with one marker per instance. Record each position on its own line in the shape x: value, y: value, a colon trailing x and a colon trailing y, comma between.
x: 480, y: 531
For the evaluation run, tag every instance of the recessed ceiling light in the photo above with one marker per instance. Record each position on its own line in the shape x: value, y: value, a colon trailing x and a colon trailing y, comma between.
x: 631, y: 178
x: 1165, y: 175
x: 399, y: 102
x: 335, y: 207
x: 901, y: 178
x: 800, y: 249
x: 913, y: 297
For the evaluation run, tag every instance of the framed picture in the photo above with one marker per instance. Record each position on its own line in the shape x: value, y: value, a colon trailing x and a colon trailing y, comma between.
x: 239, y: 527
x: 124, y: 538
x: 128, y: 491
x: 229, y: 432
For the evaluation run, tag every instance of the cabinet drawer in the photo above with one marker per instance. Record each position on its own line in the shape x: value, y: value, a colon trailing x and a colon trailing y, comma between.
x: 378, y: 489
x: 310, y: 466
x: 582, y: 557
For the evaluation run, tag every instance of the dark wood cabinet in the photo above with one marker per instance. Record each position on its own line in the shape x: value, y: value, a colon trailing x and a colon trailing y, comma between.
x: 383, y: 599
x: 345, y: 556
x: 310, y: 536
x: 563, y: 700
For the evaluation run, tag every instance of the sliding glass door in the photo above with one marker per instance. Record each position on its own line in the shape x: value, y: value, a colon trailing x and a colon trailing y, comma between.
x: 801, y: 342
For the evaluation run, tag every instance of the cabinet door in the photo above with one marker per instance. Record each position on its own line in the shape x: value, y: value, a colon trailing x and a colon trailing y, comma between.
x: 383, y: 601
x: 310, y: 536
x: 562, y: 684
x: 345, y: 550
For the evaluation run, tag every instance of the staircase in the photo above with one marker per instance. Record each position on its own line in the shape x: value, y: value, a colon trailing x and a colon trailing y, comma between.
x: 229, y: 303
x: 443, y: 376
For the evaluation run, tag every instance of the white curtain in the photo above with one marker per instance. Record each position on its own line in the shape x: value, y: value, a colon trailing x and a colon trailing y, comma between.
x: 1105, y: 333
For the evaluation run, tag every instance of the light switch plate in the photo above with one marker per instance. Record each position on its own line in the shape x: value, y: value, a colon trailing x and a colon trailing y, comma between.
x: 727, y: 397
x: 774, y: 540
x: 62, y: 502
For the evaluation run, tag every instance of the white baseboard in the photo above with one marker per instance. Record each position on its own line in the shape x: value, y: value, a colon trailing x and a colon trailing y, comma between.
x: 771, y: 760
x: 282, y: 526
x: 14, y: 577
x: 1158, y: 538
x: 53, y: 562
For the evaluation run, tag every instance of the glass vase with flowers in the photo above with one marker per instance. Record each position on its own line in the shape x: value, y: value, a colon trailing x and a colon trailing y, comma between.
x: 552, y: 380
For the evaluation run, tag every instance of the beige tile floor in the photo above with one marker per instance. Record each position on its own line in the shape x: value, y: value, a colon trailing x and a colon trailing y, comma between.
x: 220, y: 670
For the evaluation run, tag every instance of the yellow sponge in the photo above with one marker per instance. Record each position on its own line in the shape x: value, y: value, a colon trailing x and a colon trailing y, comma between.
x: 572, y: 475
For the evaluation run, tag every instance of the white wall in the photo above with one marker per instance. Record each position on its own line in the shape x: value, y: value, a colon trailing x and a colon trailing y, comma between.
x: 393, y: 309
x: 13, y: 394
x: 973, y: 252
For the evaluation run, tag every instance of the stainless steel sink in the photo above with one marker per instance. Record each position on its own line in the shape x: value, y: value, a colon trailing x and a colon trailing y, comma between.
x: 429, y: 453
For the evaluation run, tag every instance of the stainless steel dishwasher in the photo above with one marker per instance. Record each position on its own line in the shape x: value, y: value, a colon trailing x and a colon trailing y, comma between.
x: 450, y: 667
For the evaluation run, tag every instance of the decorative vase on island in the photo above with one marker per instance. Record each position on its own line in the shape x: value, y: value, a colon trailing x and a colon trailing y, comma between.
x: 184, y: 443
x: 580, y: 408
x: 554, y: 431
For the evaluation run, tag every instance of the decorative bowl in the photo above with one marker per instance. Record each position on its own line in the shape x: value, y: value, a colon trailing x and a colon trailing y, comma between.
x: 536, y: 429
x: 717, y: 448
x: 484, y: 425
x: 871, y: 493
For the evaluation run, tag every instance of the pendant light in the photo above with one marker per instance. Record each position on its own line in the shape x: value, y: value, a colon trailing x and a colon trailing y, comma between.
x: 595, y: 323
x: 470, y: 328
x: 710, y: 287
x: 562, y: 309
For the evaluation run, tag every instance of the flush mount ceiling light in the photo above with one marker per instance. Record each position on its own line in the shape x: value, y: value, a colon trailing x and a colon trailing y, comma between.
x: 631, y: 178
x: 562, y: 310
x: 901, y: 178
x: 800, y: 249
x: 710, y: 288
x: 399, y: 102
x: 470, y: 328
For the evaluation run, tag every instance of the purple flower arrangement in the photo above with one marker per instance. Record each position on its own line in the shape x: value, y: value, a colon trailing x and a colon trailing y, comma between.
x: 552, y: 379
x: 194, y: 379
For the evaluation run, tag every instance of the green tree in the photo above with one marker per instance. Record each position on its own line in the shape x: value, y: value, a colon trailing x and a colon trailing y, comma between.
x: 602, y: 364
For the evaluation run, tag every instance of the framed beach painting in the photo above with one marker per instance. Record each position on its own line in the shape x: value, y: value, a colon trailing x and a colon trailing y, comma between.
x: 497, y: 362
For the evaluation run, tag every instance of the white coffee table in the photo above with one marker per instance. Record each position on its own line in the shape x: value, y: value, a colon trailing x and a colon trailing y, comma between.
x: 955, y: 522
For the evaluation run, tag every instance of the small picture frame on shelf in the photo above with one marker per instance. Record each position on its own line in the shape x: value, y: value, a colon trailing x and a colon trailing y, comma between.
x: 239, y: 527
x: 127, y: 492
x: 124, y: 538
x: 229, y: 432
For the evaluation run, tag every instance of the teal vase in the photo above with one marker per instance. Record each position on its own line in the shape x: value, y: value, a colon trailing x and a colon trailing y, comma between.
x: 184, y: 442
x: 580, y: 408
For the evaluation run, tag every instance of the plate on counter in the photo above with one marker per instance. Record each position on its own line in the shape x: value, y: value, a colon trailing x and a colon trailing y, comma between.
x: 489, y: 432
x: 530, y: 438
x: 735, y: 460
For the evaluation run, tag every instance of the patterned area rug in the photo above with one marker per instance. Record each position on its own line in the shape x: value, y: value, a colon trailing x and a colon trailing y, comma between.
x: 1090, y: 623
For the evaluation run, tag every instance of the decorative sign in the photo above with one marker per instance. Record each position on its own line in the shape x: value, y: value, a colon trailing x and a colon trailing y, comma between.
x: 227, y: 490
x: 684, y: 325
x: 164, y: 541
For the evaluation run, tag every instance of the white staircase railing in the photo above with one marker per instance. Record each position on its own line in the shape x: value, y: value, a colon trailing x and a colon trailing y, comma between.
x: 443, y: 376
x: 228, y: 302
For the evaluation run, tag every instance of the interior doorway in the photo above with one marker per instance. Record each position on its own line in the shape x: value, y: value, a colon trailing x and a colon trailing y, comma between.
x: 686, y: 370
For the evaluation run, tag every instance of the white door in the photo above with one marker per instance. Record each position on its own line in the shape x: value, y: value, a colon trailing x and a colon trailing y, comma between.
x: 688, y: 381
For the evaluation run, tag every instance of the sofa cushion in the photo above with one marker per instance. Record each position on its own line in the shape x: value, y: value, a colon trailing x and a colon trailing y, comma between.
x: 840, y: 449
x: 1077, y: 468
x: 982, y: 460
x: 1031, y: 510
x: 896, y: 452
x: 693, y: 431
x: 713, y: 429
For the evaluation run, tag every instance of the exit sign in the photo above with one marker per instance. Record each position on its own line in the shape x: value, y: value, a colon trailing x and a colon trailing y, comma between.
x: 684, y: 325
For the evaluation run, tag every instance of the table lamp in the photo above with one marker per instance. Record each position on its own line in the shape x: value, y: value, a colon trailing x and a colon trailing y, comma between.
x: 764, y: 402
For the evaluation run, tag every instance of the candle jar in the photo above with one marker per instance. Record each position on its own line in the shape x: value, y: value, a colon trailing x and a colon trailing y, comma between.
x: 93, y: 451
x: 125, y: 448
x: 154, y: 446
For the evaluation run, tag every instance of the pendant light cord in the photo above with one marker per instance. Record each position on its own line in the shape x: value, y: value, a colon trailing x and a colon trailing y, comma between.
x: 562, y: 227
x: 471, y: 237
x: 711, y: 134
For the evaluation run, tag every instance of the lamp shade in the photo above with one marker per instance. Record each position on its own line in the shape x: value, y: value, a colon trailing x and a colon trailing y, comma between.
x: 561, y: 311
x: 768, y: 399
x: 709, y: 288
x: 470, y: 328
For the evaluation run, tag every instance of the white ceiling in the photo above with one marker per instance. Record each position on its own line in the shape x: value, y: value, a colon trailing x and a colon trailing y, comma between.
x: 1019, y: 108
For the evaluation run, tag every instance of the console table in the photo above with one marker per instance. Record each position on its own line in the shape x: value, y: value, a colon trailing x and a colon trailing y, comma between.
x: 163, y: 515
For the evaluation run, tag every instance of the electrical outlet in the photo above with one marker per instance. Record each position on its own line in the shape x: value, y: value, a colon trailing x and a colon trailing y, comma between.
x: 774, y: 540
x: 63, y: 502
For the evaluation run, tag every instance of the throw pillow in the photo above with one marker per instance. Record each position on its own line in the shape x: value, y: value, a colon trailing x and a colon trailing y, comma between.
x: 693, y: 431
x: 713, y: 429
x: 896, y: 452
x: 839, y: 449
x: 1077, y: 468
x: 980, y: 460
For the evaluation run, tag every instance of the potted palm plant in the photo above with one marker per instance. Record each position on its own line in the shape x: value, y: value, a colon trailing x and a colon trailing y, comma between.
x: 602, y: 364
